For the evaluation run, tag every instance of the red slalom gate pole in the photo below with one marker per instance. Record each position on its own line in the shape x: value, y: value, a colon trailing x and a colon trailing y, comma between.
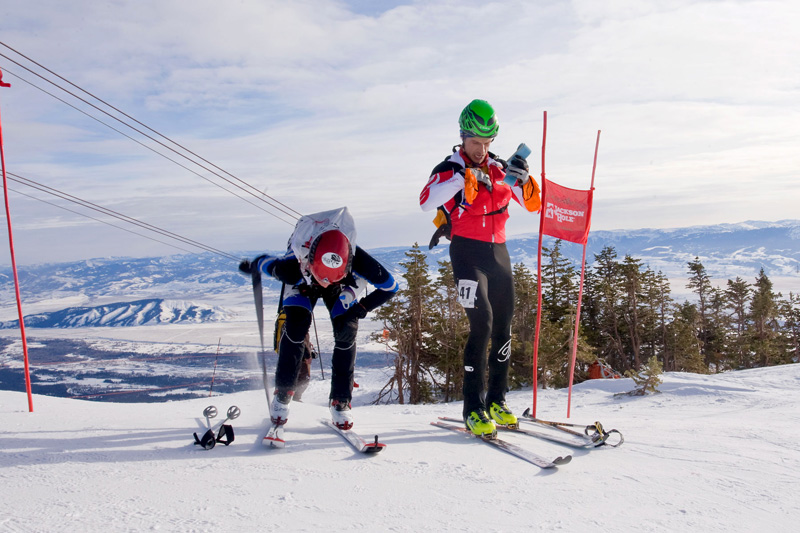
x: 535, y: 362
x: 14, y: 265
x: 580, y: 287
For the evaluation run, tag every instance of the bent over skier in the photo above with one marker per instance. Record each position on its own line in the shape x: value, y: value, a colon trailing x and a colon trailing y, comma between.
x: 471, y: 190
x: 323, y: 262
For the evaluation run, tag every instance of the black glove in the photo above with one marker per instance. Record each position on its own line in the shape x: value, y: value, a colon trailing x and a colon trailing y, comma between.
x: 356, y: 311
x: 311, y: 291
x: 246, y: 267
x: 518, y: 168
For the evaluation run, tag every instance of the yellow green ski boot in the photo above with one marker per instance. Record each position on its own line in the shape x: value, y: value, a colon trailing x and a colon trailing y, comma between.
x: 501, y: 414
x: 479, y: 423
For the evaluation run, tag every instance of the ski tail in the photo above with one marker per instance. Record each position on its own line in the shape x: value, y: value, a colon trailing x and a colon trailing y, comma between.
x: 274, y: 437
x: 356, y: 441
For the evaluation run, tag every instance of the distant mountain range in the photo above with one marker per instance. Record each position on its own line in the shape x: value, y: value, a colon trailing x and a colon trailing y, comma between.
x: 726, y: 250
x: 127, y: 292
x: 142, y: 289
x: 137, y: 313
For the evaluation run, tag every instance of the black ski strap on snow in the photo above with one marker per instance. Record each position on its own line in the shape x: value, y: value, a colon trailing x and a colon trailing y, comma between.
x: 208, y: 441
x: 226, y: 432
x: 600, y: 436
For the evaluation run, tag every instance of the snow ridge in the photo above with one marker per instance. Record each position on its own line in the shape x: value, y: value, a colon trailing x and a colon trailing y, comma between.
x: 137, y: 313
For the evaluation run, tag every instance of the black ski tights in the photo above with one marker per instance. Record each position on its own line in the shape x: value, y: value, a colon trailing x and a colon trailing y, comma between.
x: 486, y: 291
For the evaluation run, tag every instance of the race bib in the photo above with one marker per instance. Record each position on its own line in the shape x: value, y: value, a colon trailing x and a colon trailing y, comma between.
x: 467, y: 292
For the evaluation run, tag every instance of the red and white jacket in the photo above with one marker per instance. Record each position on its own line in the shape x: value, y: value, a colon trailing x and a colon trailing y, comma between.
x: 480, y: 216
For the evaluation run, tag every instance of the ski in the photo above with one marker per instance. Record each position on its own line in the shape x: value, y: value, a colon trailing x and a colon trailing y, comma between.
x: 567, y: 441
x: 355, y: 440
x: 513, y: 449
x: 593, y: 435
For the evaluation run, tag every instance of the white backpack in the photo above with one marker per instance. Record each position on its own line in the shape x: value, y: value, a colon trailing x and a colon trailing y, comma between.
x: 309, y: 227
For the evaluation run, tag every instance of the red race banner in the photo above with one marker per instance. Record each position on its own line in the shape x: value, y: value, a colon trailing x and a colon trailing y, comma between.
x: 566, y: 213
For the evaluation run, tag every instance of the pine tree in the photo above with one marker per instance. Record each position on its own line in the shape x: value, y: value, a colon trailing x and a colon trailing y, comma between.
x: 790, y: 313
x: 717, y: 330
x: 407, y: 317
x: 523, y: 326
x: 764, y: 328
x: 660, y: 301
x: 738, y: 297
x: 682, y: 340
x: 647, y: 379
x: 631, y: 312
x: 449, y: 334
x: 559, y: 290
x: 603, y: 313
x: 700, y: 283
x: 559, y: 306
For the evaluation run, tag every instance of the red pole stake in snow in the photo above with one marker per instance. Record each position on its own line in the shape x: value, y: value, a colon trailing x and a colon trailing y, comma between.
x: 14, y: 264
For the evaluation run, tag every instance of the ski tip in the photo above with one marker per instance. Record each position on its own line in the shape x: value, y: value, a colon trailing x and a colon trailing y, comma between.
x: 562, y: 460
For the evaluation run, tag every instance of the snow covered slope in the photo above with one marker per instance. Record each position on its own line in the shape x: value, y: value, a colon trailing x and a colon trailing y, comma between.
x: 711, y: 453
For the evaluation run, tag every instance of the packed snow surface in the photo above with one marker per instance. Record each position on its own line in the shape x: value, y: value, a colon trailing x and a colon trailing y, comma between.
x: 709, y: 453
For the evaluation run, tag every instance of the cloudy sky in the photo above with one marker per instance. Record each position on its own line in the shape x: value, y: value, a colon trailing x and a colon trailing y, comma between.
x: 323, y: 103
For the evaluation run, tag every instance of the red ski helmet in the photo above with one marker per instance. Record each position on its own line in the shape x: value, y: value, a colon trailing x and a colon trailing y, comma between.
x: 329, y: 257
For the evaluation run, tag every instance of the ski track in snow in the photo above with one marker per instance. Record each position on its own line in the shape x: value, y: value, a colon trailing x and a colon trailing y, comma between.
x: 710, y: 453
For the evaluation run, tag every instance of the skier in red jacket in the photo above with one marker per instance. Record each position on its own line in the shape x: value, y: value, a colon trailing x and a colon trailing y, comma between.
x: 472, y: 189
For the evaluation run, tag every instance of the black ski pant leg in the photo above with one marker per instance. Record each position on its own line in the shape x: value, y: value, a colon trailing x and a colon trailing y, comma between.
x: 480, y: 321
x: 501, y: 296
x: 343, y: 358
x: 291, y: 347
x: 467, y: 257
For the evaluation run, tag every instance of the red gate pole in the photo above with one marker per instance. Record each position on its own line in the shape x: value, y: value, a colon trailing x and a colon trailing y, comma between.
x: 580, y: 288
x: 14, y: 265
x: 535, y: 363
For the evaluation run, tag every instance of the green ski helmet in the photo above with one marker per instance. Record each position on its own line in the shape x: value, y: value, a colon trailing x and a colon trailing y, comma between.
x: 478, y: 120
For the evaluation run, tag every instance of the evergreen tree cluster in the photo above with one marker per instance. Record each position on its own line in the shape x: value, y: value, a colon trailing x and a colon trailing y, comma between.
x: 629, y: 320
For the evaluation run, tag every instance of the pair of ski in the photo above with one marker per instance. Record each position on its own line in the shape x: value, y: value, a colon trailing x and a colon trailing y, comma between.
x: 508, y: 447
x: 593, y: 436
x: 274, y: 438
